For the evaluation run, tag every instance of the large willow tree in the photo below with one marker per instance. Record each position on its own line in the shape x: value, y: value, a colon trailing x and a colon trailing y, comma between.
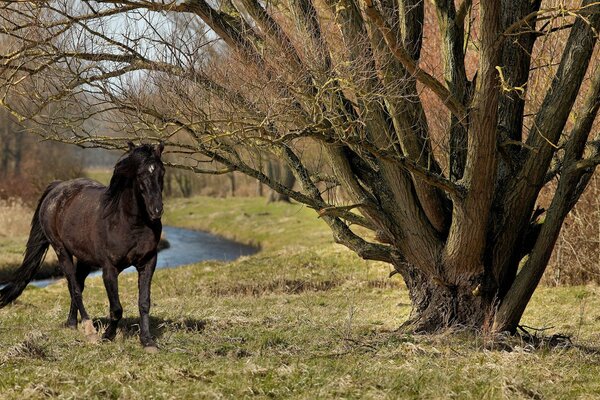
x: 438, y: 172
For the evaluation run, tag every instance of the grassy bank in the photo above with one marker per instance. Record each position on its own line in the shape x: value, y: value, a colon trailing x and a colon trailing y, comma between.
x: 304, y: 318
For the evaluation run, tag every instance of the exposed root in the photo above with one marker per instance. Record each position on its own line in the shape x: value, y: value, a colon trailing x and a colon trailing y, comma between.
x: 523, y: 340
x: 448, y: 310
x: 543, y: 341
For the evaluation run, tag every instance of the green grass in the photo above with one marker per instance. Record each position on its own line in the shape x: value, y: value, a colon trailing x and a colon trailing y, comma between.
x: 274, y: 226
x: 303, y: 319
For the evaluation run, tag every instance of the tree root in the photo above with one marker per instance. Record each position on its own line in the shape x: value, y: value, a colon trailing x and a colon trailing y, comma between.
x: 523, y: 340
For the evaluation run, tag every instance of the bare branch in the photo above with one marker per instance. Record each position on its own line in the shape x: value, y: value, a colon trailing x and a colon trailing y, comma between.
x: 453, y: 104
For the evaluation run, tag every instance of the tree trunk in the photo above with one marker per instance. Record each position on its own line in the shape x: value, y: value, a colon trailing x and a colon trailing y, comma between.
x: 438, y: 306
x: 283, y: 174
x: 5, y: 155
x: 232, y: 184
x: 18, y: 152
x: 184, y: 181
x: 168, y: 189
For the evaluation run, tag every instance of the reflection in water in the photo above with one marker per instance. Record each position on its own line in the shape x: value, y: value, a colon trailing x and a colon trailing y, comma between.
x: 187, y: 247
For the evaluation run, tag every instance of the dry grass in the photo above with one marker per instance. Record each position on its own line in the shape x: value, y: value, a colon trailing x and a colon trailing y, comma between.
x: 304, y: 320
x: 576, y: 257
x: 308, y: 320
x: 15, y: 218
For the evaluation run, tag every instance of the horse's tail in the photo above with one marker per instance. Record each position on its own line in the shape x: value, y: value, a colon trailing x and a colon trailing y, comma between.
x: 37, y: 245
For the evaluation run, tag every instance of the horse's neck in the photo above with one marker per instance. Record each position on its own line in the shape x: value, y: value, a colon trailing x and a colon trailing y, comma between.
x: 128, y: 208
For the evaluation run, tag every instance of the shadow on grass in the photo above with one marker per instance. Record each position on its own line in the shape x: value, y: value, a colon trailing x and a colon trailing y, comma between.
x: 158, y: 326
x: 47, y: 270
x: 285, y: 286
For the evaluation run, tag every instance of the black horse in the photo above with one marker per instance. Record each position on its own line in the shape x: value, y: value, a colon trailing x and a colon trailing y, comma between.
x: 110, y: 228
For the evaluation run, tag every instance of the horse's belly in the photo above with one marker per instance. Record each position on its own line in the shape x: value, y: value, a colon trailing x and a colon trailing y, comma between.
x: 135, y: 251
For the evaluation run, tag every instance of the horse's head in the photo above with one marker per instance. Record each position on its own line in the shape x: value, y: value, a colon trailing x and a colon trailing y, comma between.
x: 149, y: 176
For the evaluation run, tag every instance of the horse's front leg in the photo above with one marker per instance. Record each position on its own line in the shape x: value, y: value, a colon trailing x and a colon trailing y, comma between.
x: 145, y: 272
x: 110, y: 277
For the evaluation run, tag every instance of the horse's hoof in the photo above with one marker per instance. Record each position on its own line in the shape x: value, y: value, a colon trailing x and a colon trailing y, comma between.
x: 152, y: 349
x: 88, y: 327
x: 93, y: 338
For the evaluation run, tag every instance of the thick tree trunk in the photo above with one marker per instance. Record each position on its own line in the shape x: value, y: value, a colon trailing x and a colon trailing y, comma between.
x: 451, y: 307
x: 437, y: 306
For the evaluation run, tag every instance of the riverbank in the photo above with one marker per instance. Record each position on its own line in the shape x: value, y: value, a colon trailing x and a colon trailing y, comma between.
x: 304, y: 318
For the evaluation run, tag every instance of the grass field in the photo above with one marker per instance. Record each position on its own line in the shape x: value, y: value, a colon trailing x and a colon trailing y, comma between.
x: 304, y: 318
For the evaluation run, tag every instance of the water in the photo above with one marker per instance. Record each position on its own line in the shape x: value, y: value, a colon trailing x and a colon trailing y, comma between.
x: 186, y: 247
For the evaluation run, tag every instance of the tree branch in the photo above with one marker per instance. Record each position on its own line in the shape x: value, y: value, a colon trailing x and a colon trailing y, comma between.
x: 451, y: 102
x: 573, y: 180
x: 452, y: 30
x: 522, y: 188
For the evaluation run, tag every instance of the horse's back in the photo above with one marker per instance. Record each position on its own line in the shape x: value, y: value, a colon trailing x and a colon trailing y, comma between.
x: 71, y: 209
x: 63, y: 194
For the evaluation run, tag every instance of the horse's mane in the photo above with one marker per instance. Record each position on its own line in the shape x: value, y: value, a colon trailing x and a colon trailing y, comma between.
x: 124, y: 174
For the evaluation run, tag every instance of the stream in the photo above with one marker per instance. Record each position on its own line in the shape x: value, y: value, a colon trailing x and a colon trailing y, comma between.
x: 186, y: 247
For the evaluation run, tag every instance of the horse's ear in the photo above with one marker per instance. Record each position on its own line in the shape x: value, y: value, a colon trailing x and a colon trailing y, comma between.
x: 130, y: 145
x: 159, y: 148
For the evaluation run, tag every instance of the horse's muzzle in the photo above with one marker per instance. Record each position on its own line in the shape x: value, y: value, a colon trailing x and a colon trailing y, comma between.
x: 156, y: 213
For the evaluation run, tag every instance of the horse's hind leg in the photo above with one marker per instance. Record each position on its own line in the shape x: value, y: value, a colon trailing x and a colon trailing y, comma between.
x: 110, y: 278
x: 66, y: 262
x: 81, y: 272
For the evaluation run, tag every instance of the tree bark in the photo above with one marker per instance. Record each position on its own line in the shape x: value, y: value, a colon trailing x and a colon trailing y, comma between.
x: 437, y: 306
x: 517, y: 200
x: 452, y: 30
x: 570, y: 187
